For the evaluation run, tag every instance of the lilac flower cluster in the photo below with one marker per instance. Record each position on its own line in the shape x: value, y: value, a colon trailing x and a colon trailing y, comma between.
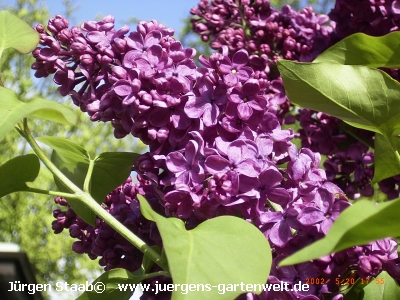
x: 216, y: 144
x: 98, y: 67
x: 268, y: 35
x: 372, y: 17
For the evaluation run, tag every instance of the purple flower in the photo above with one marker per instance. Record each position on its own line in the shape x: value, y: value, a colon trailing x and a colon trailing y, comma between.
x: 248, y: 99
x: 238, y: 161
x: 235, y: 71
x: 152, y: 62
x: 207, y: 104
x: 325, y: 211
x: 187, y: 168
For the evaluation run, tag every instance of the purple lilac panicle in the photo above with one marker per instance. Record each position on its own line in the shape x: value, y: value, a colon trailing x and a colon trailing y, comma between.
x: 216, y: 144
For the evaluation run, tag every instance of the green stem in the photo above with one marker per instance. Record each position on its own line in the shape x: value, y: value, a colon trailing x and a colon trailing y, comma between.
x: 86, y: 184
x: 85, y: 198
x: 156, y: 274
x: 53, y: 193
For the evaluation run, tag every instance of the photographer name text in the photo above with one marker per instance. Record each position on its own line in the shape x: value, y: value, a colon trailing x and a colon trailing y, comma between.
x: 59, y: 286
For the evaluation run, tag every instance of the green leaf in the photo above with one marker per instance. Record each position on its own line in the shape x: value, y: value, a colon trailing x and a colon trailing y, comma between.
x: 15, y: 33
x: 386, y: 159
x: 16, y: 172
x: 110, y: 170
x: 12, y: 110
x: 383, y: 287
x: 358, y: 224
x: 362, y: 49
x: 363, y: 97
x: 224, y: 250
x: 110, y: 281
x: 73, y: 161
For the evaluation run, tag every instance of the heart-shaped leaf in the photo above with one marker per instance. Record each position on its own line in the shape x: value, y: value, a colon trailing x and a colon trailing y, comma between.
x: 110, y: 170
x: 16, y: 172
x: 365, y: 50
x: 12, y: 110
x: 349, y: 230
x: 114, y: 284
x: 219, y: 253
x: 17, y: 34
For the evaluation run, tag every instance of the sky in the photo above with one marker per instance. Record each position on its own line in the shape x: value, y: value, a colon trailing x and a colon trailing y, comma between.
x: 167, y: 12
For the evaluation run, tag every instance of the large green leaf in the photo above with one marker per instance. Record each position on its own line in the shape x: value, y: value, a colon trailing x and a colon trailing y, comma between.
x: 117, y: 284
x: 12, y: 110
x: 110, y: 170
x: 15, y: 33
x: 362, y: 49
x: 358, y: 224
x: 219, y: 252
x: 361, y: 96
x: 16, y: 172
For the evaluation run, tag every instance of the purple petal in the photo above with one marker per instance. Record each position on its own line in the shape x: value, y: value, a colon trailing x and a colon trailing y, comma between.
x: 249, y: 185
x: 215, y: 164
x: 197, y: 174
x: 280, y: 234
x: 191, y: 151
x: 152, y: 38
x: 270, y: 177
x: 244, y: 111
x: 211, y: 114
x: 310, y: 216
x: 231, y: 79
x: 122, y: 88
x: 176, y: 162
x: 130, y: 57
x: 196, y: 106
x: 240, y: 58
x: 154, y: 54
x: 296, y: 169
x: 237, y: 151
x: 244, y: 74
x: 251, y: 87
x: 279, y: 195
x: 248, y: 168
x: 135, y: 40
